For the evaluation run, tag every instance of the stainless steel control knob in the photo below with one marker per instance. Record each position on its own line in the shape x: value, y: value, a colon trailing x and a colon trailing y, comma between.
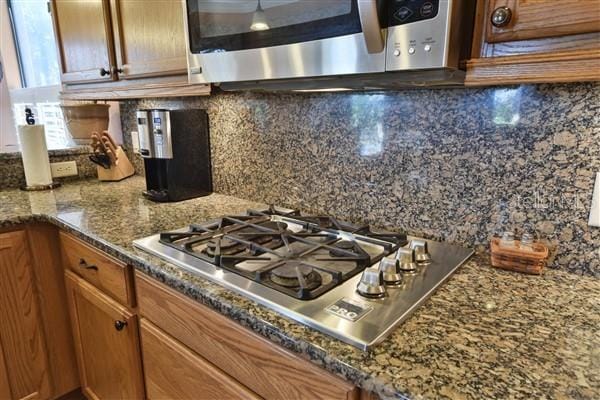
x: 390, y: 272
x: 406, y: 260
x: 501, y: 17
x: 371, y: 283
x: 422, y: 255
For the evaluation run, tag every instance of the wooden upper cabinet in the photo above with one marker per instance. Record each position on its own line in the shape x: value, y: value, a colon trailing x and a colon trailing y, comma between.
x: 23, y: 360
x: 107, y: 343
x: 537, y: 19
x: 84, y: 40
x: 149, y: 38
x: 535, y: 41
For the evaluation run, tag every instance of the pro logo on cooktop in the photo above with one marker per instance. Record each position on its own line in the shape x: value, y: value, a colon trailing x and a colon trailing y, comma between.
x: 349, y: 309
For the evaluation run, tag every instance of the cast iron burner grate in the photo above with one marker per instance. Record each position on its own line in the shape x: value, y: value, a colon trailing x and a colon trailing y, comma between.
x: 300, y: 263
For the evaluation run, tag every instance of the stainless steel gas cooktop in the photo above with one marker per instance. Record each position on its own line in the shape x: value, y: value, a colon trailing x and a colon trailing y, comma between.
x: 347, y: 281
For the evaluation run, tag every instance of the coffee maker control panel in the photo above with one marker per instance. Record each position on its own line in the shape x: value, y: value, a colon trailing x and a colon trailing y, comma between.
x: 146, y: 143
x: 161, y: 133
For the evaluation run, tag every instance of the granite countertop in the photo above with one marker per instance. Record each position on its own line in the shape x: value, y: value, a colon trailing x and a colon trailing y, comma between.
x: 486, y: 333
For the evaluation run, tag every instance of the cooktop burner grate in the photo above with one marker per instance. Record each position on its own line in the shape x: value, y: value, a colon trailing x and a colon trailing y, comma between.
x: 301, y: 256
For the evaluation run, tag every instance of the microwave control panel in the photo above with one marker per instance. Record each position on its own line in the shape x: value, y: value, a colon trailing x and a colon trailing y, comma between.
x: 418, y: 37
x: 406, y: 11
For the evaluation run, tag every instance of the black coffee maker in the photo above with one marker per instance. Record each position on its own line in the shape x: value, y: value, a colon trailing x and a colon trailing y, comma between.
x: 176, y: 151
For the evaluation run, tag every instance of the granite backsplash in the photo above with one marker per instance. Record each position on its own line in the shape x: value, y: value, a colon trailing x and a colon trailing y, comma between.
x: 12, y: 174
x: 455, y: 164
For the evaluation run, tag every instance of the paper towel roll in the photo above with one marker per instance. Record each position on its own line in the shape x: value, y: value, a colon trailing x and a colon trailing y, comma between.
x: 35, y: 155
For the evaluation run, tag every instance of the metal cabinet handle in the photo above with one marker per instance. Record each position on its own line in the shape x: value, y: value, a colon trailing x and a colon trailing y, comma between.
x: 117, y: 70
x: 501, y: 17
x: 120, y: 325
x: 369, y: 22
x: 104, y: 71
x: 84, y: 264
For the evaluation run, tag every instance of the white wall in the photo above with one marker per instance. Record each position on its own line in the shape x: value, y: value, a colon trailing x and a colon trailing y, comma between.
x: 11, y: 79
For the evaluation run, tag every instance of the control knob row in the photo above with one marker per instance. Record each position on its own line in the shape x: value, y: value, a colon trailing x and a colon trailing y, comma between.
x: 390, y: 271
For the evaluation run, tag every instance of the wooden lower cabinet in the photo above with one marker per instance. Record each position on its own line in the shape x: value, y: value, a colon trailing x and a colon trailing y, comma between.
x: 263, y: 367
x: 172, y: 371
x: 106, y: 341
x: 25, y: 364
x: 4, y: 382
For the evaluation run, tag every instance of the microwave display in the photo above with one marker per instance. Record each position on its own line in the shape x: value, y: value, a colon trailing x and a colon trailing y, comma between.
x: 407, y: 11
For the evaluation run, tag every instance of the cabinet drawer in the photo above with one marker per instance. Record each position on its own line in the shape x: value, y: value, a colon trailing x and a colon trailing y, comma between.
x: 107, y: 274
x: 172, y: 371
x: 261, y: 366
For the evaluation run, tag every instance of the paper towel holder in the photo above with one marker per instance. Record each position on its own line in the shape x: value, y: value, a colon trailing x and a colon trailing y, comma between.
x: 30, y: 120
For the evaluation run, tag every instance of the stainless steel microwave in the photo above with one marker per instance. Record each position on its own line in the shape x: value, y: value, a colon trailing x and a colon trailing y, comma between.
x: 313, y: 44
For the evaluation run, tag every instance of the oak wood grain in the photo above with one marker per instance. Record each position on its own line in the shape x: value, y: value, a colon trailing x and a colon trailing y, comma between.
x: 44, y: 245
x: 574, y: 66
x: 4, y: 381
x: 258, y: 364
x: 545, y: 41
x: 108, y: 274
x: 109, y: 359
x: 586, y: 41
x: 149, y: 38
x: 173, y: 371
x: 535, y: 19
x: 21, y: 332
x: 83, y: 35
x: 136, y: 90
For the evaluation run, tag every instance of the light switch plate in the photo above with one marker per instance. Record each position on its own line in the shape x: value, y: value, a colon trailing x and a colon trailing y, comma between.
x: 135, y: 139
x: 60, y: 169
x: 595, y: 210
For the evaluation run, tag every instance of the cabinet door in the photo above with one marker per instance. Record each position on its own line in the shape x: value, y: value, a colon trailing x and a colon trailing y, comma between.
x: 23, y: 346
x: 149, y: 38
x: 536, y: 19
x: 4, y: 382
x: 107, y: 344
x: 173, y: 371
x: 84, y: 40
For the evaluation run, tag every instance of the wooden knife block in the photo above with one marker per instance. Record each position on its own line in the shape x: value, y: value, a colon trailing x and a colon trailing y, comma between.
x: 120, y: 170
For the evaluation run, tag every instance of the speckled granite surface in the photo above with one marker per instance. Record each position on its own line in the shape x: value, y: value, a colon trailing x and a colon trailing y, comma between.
x: 484, y: 334
x: 457, y: 164
x: 12, y: 174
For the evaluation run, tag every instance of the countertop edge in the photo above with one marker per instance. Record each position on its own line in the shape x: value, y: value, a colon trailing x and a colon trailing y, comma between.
x: 303, y: 349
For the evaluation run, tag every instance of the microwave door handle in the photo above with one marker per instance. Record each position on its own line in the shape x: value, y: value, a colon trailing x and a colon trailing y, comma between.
x: 369, y: 21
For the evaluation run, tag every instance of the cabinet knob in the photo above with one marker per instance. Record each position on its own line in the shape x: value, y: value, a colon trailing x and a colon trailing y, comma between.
x: 119, y: 325
x: 501, y: 17
x: 104, y: 72
x: 84, y: 264
x: 117, y: 70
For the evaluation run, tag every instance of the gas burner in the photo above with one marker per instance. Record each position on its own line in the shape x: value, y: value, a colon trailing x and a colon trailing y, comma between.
x: 349, y: 249
x: 294, y: 274
x: 220, y: 246
x: 346, y: 245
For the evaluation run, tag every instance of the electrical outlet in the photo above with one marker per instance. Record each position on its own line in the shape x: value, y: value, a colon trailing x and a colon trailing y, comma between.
x: 595, y: 210
x: 67, y: 168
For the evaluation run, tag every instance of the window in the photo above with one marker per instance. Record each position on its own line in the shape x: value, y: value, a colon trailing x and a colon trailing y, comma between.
x: 35, y: 80
x: 35, y: 44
